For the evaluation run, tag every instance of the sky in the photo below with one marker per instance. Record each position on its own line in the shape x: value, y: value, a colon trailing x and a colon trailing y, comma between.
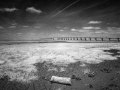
x: 36, y: 19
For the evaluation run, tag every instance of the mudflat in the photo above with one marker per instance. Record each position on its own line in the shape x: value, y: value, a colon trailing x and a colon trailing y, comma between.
x: 91, y: 66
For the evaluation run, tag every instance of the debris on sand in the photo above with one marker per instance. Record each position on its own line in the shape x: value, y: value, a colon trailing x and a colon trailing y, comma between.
x: 106, y: 70
x: 89, y: 85
x: 117, y: 66
x: 117, y: 72
x: 53, y: 69
x: 111, y: 87
x: 61, y: 80
x: 91, y: 75
x: 114, y: 79
x: 62, y: 69
x: 75, y: 77
x: 58, y: 89
x: 86, y: 71
x: 5, y: 78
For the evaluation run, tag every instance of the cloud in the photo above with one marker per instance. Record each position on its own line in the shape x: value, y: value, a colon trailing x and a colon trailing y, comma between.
x: 37, y: 26
x: 73, y: 29
x: 12, y: 27
x: 25, y: 26
x: 90, y: 27
x: 65, y: 28
x: 8, y: 9
x: 61, y: 30
x: 97, y: 30
x: 1, y: 27
x: 14, y: 24
x: 79, y: 30
x: 94, y: 22
x: 102, y: 31
x: 9, y: 33
x: 113, y: 28
x: 33, y: 10
x: 19, y: 33
x: 109, y: 30
x: 58, y: 27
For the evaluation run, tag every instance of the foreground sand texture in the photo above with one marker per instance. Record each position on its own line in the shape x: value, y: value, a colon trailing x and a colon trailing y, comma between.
x: 91, y: 66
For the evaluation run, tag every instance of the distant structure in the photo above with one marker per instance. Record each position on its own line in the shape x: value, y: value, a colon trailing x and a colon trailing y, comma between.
x: 83, y: 39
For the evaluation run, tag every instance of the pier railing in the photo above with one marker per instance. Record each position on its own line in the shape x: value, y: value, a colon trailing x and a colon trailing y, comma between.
x: 84, y: 39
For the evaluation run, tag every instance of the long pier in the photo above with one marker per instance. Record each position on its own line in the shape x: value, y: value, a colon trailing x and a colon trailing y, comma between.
x: 83, y: 39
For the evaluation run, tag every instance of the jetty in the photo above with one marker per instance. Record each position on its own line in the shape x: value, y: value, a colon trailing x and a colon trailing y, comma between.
x: 82, y: 39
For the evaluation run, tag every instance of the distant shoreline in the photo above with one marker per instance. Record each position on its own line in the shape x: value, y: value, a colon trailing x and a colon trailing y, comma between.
x: 66, y: 40
x: 30, y: 42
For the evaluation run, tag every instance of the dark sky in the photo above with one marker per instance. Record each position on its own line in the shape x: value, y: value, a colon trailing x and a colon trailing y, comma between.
x: 35, y: 19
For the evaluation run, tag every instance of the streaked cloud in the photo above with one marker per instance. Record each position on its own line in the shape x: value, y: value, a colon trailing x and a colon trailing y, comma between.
x: 113, y: 28
x: 58, y: 27
x: 101, y: 31
x: 73, y: 29
x: 96, y: 30
x: 19, y: 33
x: 79, y: 30
x: 1, y: 27
x: 37, y: 26
x: 94, y: 22
x: 65, y: 28
x: 90, y: 27
x: 9, y: 33
x: 25, y: 26
x: 14, y: 24
x: 8, y: 9
x: 33, y: 10
x: 87, y: 29
x: 61, y: 30
x: 90, y: 30
x: 108, y: 30
x: 12, y: 27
